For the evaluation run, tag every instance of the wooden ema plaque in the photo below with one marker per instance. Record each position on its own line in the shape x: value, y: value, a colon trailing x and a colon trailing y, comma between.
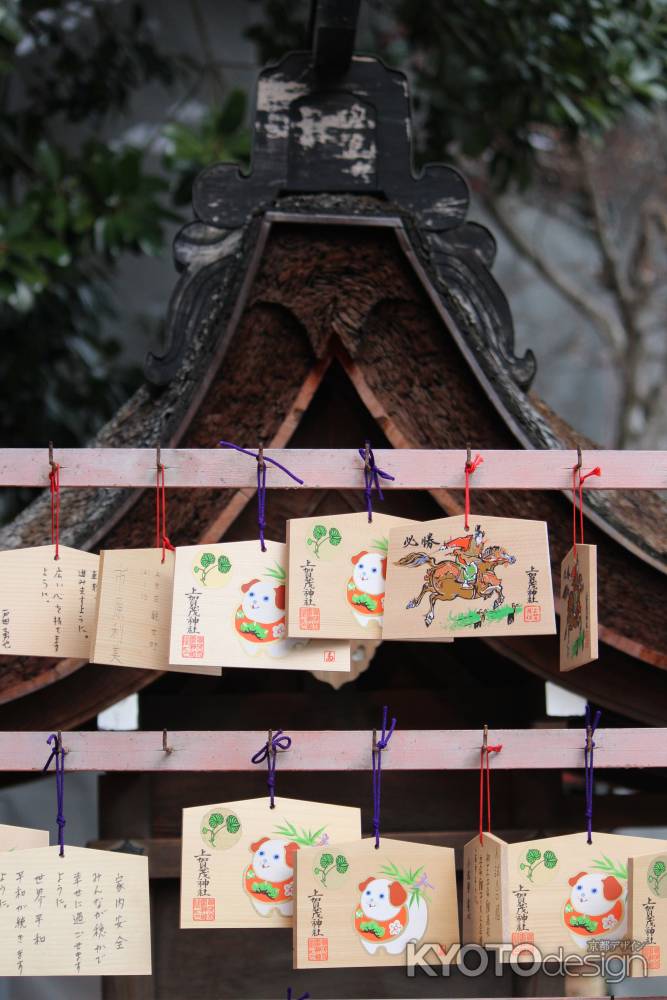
x: 133, y: 620
x: 229, y: 610
x: 579, y: 607
x: 358, y: 906
x: 647, y: 885
x: 494, y: 579
x: 337, y: 574
x: 17, y: 838
x: 86, y: 914
x: 47, y: 605
x: 556, y: 892
x: 237, y: 863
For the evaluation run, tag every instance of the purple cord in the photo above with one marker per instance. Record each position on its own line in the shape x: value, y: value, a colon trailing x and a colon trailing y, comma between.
x: 261, y: 484
x: 58, y: 753
x: 304, y: 996
x: 378, y: 747
x: 372, y: 477
x: 279, y: 741
x: 591, y: 726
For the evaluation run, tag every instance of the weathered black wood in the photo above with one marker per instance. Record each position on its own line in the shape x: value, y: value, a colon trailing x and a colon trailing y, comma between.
x: 334, y: 25
x: 339, y: 145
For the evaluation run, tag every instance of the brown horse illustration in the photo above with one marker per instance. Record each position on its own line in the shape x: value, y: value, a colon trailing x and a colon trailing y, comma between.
x: 443, y: 580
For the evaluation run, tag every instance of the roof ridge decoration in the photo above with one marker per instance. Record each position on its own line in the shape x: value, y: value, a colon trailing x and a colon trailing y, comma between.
x: 338, y: 142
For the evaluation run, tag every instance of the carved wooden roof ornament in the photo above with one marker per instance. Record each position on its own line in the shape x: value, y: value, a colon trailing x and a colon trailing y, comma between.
x: 332, y: 137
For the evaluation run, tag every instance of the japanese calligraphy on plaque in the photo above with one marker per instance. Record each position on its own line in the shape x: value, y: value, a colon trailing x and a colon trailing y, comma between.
x: 578, y: 607
x: 47, y: 605
x: 237, y: 865
x: 493, y: 578
x: 337, y: 575
x: 229, y: 609
x: 358, y: 906
x: 134, y: 611
x: 86, y: 914
x: 555, y: 892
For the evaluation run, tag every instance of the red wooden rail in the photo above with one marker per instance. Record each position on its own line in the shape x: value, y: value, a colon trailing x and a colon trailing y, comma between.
x: 410, y: 749
x: 333, y: 469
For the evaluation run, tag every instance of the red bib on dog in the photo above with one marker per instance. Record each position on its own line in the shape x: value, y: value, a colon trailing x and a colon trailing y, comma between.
x: 269, y: 892
x: 381, y: 930
x: 588, y: 927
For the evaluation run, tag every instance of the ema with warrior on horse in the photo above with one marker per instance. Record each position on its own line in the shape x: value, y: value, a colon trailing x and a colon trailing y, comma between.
x: 468, y: 570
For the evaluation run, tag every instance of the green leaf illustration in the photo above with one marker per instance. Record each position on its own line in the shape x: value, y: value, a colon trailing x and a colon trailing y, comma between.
x: 224, y: 564
x: 215, y: 820
x: 335, y: 536
x: 319, y: 531
x: 326, y: 860
x: 276, y: 573
x: 207, y: 559
x: 618, y: 869
x: 232, y: 824
x: 342, y: 864
x: 550, y: 859
x: 533, y: 855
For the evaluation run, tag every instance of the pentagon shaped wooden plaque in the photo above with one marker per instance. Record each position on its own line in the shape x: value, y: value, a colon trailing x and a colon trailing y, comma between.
x: 86, y: 914
x: 551, y: 893
x: 132, y: 627
x: 229, y: 610
x: 337, y: 574
x: 494, y: 579
x: 237, y: 864
x: 47, y: 605
x: 579, y: 607
x: 358, y: 906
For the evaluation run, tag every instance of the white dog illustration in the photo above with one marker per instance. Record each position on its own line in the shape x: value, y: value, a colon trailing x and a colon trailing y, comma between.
x: 383, y: 918
x: 596, y: 907
x: 366, y: 587
x: 269, y: 880
x: 260, y: 619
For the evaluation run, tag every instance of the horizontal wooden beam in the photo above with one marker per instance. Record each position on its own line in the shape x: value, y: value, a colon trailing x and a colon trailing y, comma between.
x: 344, y: 750
x: 333, y: 469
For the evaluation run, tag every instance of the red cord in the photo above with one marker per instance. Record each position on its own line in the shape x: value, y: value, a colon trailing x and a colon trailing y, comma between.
x: 161, y: 514
x: 54, y: 486
x: 597, y: 471
x: 469, y: 469
x: 485, y: 750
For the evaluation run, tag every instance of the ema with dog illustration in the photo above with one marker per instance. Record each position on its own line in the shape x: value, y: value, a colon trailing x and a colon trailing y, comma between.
x: 392, y: 909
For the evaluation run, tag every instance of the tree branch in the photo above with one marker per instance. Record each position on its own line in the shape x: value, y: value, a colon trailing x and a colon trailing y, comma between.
x: 608, y: 329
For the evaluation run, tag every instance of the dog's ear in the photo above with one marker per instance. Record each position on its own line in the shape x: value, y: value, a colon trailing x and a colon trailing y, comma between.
x: 246, y: 586
x: 612, y: 887
x: 359, y: 555
x: 258, y: 843
x: 290, y: 851
x: 575, y: 878
x: 397, y: 894
x: 280, y: 597
x: 367, y: 882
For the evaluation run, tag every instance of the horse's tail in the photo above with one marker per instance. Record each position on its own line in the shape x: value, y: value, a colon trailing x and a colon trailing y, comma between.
x: 415, y: 559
